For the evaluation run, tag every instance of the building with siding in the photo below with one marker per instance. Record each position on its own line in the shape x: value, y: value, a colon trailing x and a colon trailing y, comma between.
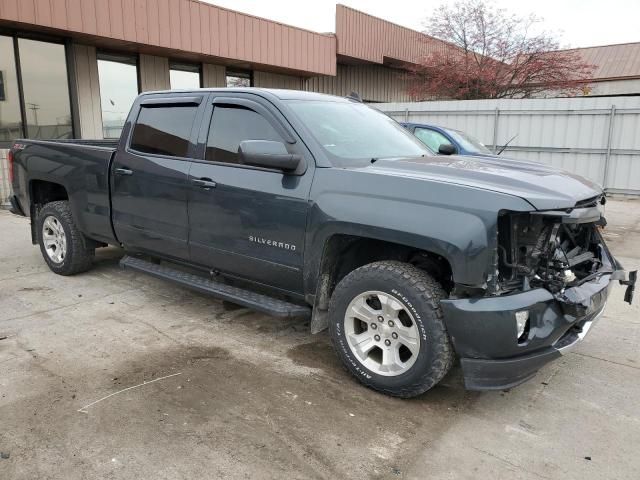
x: 71, y: 68
x: 617, y: 69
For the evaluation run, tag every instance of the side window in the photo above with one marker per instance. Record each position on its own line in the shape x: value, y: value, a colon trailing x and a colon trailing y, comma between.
x: 230, y: 125
x: 431, y: 138
x: 164, y: 130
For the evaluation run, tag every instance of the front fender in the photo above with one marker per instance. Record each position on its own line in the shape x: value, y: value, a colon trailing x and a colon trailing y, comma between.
x: 453, y: 221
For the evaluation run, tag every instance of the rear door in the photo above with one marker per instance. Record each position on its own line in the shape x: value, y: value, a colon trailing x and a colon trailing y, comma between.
x: 248, y: 221
x: 150, y: 175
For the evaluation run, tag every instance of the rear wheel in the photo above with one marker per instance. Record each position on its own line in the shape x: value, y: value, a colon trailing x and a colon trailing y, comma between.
x: 386, y: 325
x: 63, y: 246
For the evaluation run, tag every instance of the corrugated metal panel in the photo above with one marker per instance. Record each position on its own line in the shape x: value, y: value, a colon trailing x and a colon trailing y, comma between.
x: 5, y: 187
x: 570, y: 133
x: 88, y: 89
x: 274, y: 80
x: 370, y: 38
x: 374, y: 83
x: 154, y: 73
x: 186, y: 25
x: 613, y: 61
x: 213, y: 76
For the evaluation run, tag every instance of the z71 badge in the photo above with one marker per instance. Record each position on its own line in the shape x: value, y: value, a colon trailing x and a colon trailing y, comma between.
x: 272, y: 243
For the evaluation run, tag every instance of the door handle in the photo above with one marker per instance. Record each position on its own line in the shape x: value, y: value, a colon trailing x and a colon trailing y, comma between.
x: 205, y: 183
x: 123, y: 171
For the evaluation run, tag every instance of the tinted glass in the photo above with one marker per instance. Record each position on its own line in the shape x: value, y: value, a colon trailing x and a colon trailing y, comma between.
x: 164, y: 130
x: 351, y: 131
x: 469, y: 143
x: 232, y: 125
x: 185, y: 77
x: 431, y: 138
x: 118, y: 90
x: 46, y: 89
x: 10, y: 120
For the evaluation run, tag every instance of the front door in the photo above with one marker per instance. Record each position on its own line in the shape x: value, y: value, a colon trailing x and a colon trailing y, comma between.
x: 150, y: 177
x: 247, y: 221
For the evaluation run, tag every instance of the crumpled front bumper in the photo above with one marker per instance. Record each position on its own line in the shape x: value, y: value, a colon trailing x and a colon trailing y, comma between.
x: 483, y: 330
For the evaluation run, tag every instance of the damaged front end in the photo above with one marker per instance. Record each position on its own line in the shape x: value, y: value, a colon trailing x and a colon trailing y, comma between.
x: 561, y: 251
x: 553, y: 274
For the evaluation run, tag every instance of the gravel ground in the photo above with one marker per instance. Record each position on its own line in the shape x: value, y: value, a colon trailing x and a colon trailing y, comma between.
x: 234, y: 394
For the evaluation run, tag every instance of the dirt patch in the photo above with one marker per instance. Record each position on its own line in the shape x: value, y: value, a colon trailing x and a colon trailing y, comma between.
x: 319, y: 354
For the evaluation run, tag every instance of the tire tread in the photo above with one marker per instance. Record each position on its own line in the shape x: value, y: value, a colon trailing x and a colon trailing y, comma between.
x: 430, y: 291
x: 81, y: 255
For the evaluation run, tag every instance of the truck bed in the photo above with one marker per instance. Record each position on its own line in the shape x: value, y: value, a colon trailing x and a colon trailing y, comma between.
x: 81, y: 166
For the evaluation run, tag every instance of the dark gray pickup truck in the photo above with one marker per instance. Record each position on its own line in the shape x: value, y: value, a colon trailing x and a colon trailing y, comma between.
x: 300, y: 204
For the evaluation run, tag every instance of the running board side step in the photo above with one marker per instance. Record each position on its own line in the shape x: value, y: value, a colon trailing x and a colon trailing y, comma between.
x: 240, y: 296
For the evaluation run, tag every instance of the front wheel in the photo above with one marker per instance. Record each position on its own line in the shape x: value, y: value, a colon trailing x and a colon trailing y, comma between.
x: 386, y: 325
x: 63, y: 246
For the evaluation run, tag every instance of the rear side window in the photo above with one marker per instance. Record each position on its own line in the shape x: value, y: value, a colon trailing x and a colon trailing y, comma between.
x: 164, y: 130
x: 231, y: 125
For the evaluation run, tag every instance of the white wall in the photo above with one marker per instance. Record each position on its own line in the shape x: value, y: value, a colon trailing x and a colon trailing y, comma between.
x: 88, y: 85
x: 5, y: 188
x: 570, y: 133
x: 214, y: 76
x: 616, y: 87
x: 154, y: 73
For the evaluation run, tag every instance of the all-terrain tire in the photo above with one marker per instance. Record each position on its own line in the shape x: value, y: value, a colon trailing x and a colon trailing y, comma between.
x: 420, y: 295
x: 79, y: 256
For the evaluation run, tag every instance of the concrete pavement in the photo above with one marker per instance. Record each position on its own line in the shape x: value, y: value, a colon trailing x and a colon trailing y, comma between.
x: 216, y: 391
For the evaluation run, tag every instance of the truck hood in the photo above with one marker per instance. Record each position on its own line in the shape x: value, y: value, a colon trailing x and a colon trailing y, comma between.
x: 544, y: 187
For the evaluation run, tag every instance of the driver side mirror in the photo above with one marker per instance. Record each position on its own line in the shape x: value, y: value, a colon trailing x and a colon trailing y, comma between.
x: 447, y: 149
x: 268, y: 154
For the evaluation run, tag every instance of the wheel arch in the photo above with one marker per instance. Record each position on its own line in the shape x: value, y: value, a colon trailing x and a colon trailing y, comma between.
x: 42, y: 192
x: 343, y: 253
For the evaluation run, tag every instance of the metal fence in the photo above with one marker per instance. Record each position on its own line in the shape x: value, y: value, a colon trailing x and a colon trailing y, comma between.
x: 598, y: 138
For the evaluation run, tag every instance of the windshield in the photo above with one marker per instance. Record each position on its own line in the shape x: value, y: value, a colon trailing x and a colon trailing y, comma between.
x: 469, y: 143
x: 353, y: 131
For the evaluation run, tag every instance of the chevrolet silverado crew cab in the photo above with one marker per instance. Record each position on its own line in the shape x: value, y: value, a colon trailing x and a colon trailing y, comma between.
x: 301, y: 204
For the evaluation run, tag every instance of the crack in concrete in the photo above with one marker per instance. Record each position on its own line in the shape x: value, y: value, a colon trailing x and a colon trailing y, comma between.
x: 510, y: 463
x: 606, y: 360
x: 61, y: 307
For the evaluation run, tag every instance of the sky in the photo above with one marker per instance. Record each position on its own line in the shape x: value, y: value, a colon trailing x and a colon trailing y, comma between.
x: 576, y: 23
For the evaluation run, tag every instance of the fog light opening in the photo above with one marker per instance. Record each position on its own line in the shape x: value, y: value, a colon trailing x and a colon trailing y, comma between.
x: 522, y: 325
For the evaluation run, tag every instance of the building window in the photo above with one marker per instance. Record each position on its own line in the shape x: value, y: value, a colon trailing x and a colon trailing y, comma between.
x: 45, y: 85
x: 239, y: 78
x: 10, y: 117
x: 184, y: 76
x: 42, y: 109
x: 164, y: 130
x: 118, y: 77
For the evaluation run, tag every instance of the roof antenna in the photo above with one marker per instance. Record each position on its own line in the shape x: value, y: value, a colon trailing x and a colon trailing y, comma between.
x: 355, y: 97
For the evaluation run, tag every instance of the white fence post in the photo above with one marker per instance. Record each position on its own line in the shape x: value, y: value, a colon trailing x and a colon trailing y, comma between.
x: 496, y: 117
x: 607, y: 158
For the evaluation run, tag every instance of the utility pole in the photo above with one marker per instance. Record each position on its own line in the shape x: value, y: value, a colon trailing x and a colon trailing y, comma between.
x: 34, y: 107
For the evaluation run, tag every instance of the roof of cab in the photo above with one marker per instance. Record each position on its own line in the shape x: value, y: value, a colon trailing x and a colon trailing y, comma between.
x: 281, y: 94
